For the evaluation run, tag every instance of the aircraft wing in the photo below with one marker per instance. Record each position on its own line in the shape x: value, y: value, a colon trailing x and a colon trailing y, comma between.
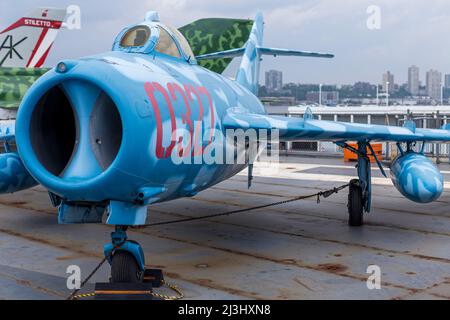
x: 293, y: 128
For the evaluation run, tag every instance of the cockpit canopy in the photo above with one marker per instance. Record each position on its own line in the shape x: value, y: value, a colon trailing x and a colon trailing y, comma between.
x: 152, y: 36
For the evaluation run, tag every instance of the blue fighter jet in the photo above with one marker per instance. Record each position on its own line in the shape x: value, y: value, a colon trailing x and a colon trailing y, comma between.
x: 101, y: 133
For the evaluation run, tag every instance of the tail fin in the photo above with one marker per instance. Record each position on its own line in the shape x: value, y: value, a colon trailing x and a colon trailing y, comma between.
x: 216, y: 34
x: 27, y: 42
x: 248, y: 73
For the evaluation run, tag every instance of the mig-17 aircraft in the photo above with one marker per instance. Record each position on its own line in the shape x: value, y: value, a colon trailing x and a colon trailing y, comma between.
x: 105, y: 133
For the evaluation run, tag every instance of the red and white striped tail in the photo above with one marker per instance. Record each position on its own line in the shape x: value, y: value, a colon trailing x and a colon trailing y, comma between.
x: 27, y: 42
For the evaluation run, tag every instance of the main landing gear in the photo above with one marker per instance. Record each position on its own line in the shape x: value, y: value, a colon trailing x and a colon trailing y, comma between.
x: 360, y: 190
x: 355, y: 204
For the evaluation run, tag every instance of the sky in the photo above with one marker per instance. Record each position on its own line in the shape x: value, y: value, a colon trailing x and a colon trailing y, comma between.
x: 411, y: 32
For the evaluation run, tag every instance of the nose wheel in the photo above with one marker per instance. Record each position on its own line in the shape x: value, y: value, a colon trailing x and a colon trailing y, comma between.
x: 355, y: 204
x: 129, y: 278
x: 124, y: 268
x: 126, y: 258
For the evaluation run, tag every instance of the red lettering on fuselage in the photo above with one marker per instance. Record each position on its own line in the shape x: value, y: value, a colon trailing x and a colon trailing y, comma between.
x: 186, y: 118
x: 198, y: 149
x: 186, y: 94
x: 202, y: 90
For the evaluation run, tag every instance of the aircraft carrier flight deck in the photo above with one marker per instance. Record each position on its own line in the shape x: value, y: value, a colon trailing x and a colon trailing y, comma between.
x: 299, y: 250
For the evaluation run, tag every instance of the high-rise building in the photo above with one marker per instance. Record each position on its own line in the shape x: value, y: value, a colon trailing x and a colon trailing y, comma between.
x: 274, y: 80
x: 413, y: 80
x: 447, y: 81
x: 434, y: 83
x: 388, y: 82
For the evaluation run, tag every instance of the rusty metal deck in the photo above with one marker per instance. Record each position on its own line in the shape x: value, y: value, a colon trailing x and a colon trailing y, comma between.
x: 300, y: 250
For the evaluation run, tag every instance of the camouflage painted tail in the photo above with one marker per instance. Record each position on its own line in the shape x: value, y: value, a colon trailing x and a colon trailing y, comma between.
x: 14, y: 83
x: 216, y: 34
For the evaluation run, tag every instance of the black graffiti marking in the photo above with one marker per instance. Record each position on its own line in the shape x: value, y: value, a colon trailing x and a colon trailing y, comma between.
x: 11, y: 48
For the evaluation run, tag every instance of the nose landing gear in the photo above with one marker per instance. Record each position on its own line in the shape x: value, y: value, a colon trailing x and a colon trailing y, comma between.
x: 126, y: 258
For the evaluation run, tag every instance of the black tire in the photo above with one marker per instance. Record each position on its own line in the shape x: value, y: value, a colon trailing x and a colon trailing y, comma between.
x: 355, y: 204
x: 124, y: 268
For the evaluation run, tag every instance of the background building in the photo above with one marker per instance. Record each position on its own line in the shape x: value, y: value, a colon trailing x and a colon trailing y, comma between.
x: 413, y: 80
x: 434, y: 83
x: 329, y: 98
x: 274, y: 80
x: 447, y: 81
x: 388, y: 77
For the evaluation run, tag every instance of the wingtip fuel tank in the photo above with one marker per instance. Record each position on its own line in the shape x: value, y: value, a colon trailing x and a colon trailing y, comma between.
x: 417, y: 178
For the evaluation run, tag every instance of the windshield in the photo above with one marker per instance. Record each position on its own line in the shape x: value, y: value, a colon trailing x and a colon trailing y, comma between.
x: 135, y: 37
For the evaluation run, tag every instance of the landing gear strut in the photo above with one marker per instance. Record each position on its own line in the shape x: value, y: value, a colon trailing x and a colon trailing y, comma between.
x: 360, y: 190
x: 126, y: 258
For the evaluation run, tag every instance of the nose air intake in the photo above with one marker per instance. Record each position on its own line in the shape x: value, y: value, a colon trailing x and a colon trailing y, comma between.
x: 53, y: 131
x: 75, y: 130
x: 105, y: 131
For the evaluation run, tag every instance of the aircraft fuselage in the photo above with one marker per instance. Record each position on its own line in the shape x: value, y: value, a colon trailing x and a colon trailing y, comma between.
x: 157, y: 97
